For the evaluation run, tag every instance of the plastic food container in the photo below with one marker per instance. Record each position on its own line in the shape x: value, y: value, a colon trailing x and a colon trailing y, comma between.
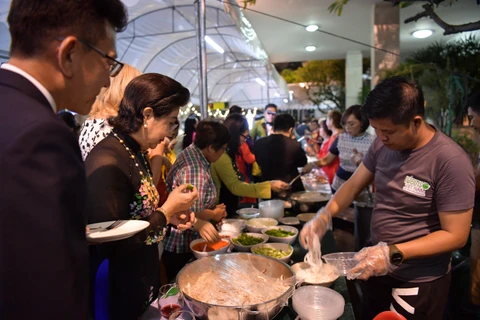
x: 258, y: 224
x: 316, y: 302
x: 271, y: 209
x: 233, y: 225
x: 343, y: 261
x: 248, y: 213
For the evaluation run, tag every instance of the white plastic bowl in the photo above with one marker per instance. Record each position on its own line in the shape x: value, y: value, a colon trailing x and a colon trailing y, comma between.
x: 248, y: 213
x: 276, y: 246
x: 271, y: 209
x: 305, y: 217
x: 343, y: 261
x: 200, y: 254
x: 233, y: 225
x: 243, y: 248
x: 316, y: 302
x: 257, y: 224
x: 329, y: 269
x: 289, y: 239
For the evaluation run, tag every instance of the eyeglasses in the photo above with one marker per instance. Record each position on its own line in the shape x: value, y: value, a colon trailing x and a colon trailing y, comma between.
x: 271, y: 113
x: 115, y: 66
x: 244, y: 135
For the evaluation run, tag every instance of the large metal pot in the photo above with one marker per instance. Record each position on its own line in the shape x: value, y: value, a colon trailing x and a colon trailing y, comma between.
x: 308, y: 201
x: 264, y: 311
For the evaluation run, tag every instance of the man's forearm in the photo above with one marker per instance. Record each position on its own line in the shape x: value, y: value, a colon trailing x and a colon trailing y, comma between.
x: 206, y: 214
x: 434, y: 244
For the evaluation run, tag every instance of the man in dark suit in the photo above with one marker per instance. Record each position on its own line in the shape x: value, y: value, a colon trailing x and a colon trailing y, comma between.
x: 279, y: 155
x: 62, y: 54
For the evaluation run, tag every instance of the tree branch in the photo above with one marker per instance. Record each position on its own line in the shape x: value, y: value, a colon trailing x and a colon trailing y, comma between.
x: 449, y: 29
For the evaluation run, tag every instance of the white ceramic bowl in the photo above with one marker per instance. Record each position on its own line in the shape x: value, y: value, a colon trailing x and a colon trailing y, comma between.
x: 200, y: 253
x: 257, y: 224
x: 343, y: 261
x: 316, y: 302
x: 287, y: 239
x: 244, y: 248
x: 233, y: 225
x: 329, y: 274
x: 277, y: 246
x: 248, y: 213
x: 305, y: 217
x: 271, y: 209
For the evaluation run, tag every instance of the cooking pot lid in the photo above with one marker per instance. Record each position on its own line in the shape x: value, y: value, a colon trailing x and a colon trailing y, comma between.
x: 310, y: 196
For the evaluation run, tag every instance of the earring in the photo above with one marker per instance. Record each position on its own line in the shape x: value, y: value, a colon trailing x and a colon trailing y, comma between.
x: 145, y: 125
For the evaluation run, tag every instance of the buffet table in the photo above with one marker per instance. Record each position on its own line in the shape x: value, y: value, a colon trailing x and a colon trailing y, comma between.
x: 287, y: 313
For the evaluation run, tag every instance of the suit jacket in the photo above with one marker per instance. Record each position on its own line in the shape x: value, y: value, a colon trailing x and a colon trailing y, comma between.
x: 279, y: 157
x: 43, y: 250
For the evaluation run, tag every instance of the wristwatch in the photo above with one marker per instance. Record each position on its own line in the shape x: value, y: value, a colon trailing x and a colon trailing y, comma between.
x: 396, y: 256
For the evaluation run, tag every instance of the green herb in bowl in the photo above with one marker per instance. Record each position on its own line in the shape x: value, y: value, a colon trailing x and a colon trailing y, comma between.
x: 279, y: 233
x: 246, y: 240
x: 271, y: 252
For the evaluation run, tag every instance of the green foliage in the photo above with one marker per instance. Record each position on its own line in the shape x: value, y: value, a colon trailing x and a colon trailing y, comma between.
x: 442, y: 70
x: 325, y: 81
x: 470, y: 147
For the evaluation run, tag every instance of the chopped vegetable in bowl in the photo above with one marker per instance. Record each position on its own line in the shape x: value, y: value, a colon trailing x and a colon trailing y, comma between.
x: 279, y: 233
x: 246, y: 240
x: 271, y: 252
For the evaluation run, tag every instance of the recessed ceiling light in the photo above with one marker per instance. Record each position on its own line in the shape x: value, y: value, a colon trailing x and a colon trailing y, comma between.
x: 422, y: 33
x: 285, y: 100
x: 312, y: 28
x: 260, y: 82
x: 310, y: 48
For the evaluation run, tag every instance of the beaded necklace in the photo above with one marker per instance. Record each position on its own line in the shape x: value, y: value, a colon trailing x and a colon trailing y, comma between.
x: 146, y: 179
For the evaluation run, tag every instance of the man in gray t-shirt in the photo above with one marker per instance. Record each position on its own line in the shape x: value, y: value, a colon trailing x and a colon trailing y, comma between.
x: 424, y: 199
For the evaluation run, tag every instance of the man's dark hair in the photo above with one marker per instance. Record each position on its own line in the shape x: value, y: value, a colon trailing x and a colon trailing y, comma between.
x: 356, y: 110
x: 35, y: 23
x: 235, y: 109
x: 159, y: 92
x: 283, y: 123
x: 395, y: 98
x: 69, y: 120
x: 211, y: 133
x: 473, y: 102
x: 271, y: 105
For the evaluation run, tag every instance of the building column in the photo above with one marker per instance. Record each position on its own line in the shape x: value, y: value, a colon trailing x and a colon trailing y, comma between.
x: 386, y: 36
x: 353, y: 77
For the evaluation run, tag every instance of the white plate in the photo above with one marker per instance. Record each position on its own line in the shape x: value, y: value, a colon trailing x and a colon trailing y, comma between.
x: 126, y: 229
x: 291, y: 221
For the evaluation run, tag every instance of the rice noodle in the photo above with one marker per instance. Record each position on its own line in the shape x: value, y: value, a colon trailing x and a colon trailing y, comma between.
x: 314, y: 254
x: 235, y: 283
x: 316, y: 271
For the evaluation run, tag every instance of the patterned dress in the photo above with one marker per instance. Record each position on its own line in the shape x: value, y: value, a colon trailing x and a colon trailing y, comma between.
x: 93, y: 131
x: 343, y: 148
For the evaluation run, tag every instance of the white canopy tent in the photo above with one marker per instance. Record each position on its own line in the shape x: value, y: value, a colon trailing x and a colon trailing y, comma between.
x: 161, y: 37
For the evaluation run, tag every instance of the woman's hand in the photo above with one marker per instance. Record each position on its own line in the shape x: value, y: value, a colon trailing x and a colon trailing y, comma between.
x: 183, y: 221
x: 356, y: 157
x: 180, y: 199
x: 219, y: 213
x: 308, y: 167
x: 279, y: 186
x: 207, y: 231
x: 158, y: 151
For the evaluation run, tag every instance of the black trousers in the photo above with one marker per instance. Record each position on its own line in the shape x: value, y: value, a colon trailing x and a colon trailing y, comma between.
x: 174, y: 262
x: 415, y: 301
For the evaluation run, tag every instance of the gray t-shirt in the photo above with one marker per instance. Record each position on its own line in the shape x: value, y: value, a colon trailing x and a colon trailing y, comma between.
x: 411, y: 188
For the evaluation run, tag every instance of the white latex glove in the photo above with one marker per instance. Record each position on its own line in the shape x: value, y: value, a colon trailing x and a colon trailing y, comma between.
x: 317, y: 226
x: 372, y: 261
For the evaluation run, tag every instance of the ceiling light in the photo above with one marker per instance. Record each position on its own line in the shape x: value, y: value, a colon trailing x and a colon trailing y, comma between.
x: 422, y: 33
x: 310, y: 48
x: 312, y: 28
x: 214, y: 44
x: 260, y: 81
x: 285, y: 100
x: 277, y: 94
